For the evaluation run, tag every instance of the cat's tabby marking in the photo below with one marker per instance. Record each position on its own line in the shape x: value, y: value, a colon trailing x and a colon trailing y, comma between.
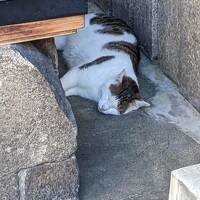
x: 110, y: 25
x: 131, y: 49
x: 97, y: 62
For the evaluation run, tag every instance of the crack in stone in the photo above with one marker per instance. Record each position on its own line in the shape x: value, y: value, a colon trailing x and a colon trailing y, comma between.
x: 22, y: 178
x: 21, y: 174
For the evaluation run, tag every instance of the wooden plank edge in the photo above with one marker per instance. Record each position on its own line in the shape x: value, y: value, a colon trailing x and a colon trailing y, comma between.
x: 23, y: 37
x: 39, y: 37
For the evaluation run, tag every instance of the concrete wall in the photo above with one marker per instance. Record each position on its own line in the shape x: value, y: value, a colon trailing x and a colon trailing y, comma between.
x: 179, y: 45
x: 168, y: 30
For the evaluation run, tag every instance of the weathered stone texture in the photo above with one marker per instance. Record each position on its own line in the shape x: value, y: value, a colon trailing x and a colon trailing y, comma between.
x: 179, y: 33
x: 57, y: 181
x: 9, y: 189
x: 36, y: 122
x: 143, y: 20
x: 169, y: 35
x: 31, y: 118
x: 138, y: 14
x: 121, y: 9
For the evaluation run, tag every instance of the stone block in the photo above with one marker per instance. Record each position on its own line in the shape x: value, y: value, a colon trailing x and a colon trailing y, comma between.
x: 179, y: 33
x: 105, y: 5
x: 169, y: 36
x: 185, y: 184
x: 189, y: 71
x: 9, y: 189
x: 120, y: 9
x: 57, y: 181
x: 37, y: 125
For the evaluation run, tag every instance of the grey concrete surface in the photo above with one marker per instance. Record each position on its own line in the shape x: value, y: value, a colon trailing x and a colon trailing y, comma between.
x: 129, y: 157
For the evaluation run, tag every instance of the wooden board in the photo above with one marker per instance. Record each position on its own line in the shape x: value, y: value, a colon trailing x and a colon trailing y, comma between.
x: 22, y: 11
x: 40, y: 29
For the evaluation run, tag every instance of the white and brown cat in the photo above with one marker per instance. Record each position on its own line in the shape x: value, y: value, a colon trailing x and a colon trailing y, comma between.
x: 103, y: 60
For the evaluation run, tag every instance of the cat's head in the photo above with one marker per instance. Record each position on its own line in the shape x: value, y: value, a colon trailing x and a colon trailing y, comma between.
x: 121, y: 96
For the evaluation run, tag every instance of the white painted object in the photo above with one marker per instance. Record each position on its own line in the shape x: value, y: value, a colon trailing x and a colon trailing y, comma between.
x: 185, y: 184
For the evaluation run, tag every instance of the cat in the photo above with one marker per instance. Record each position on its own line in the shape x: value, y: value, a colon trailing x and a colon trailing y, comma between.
x: 103, y: 59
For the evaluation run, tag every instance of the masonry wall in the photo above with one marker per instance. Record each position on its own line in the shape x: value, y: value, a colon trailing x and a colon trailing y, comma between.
x: 169, y: 31
x: 179, y: 45
x: 37, y: 127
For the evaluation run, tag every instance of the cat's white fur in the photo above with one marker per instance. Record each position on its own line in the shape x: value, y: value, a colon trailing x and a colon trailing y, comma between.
x: 94, y: 82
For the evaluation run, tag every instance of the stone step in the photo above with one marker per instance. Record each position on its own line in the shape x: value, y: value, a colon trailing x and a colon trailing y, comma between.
x: 185, y: 183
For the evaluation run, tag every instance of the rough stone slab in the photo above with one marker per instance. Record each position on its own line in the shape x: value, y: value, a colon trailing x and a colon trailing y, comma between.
x: 57, y: 181
x: 120, y: 9
x: 37, y: 124
x: 169, y: 36
x: 185, y: 184
x: 179, y: 33
x: 189, y: 71
x: 9, y: 187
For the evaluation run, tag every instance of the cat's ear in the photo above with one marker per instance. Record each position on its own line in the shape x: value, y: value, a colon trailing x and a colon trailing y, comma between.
x: 120, y: 76
x: 141, y: 103
x: 137, y: 105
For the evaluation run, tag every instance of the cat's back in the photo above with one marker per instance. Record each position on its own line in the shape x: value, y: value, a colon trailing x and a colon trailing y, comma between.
x: 88, y: 43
